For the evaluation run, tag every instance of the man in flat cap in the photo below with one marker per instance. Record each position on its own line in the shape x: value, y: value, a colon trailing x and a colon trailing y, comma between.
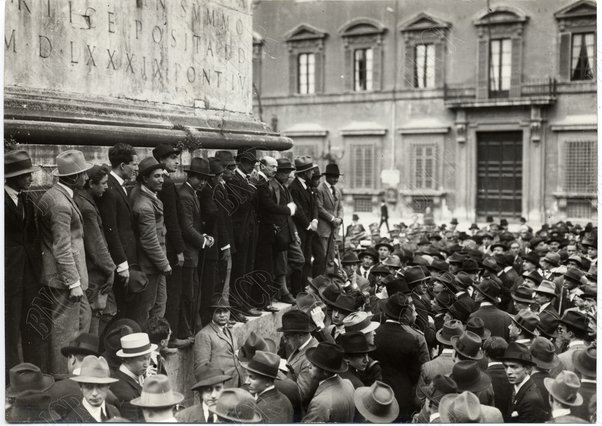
x: 21, y: 263
x: 65, y: 275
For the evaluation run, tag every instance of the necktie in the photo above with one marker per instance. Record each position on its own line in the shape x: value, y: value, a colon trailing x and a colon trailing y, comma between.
x: 365, y: 274
x: 21, y: 205
x: 334, y: 192
x: 103, y: 416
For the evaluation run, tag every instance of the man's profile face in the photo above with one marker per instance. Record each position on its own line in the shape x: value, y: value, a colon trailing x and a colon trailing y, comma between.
x: 171, y: 162
x: 154, y: 181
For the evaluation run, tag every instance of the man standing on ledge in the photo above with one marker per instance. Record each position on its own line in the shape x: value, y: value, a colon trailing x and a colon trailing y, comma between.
x: 65, y: 275
x: 330, y: 208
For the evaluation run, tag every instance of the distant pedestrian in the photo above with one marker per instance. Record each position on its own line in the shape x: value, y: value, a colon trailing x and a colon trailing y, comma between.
x: 384, y: 214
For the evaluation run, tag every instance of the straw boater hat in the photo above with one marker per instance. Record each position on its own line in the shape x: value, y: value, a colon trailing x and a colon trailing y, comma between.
x: 157, y: 393
x: 135, y: 344
x: 71, y: 162
x: 94, y: 370
x: 18, y: 163
x: 376, y: 403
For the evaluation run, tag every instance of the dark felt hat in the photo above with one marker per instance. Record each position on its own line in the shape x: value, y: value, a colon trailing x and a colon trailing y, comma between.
x: 477, y: 326
x: 303, y: 164
x: 253, y: 344
x: 226, y: 158
x: 84, y: 344
x: 523, y: 294
x: 199, y: 166
x: 414, y: 275
x: 585, y: 361
x: 329, y: 293
x: 469, y: 377
x: 265, y: 364
x: 517, y: 352
x: 344, y: 303
x: 247, y: 154
x: 439, y: 387
x: 163, y: 150
x: 328, y: 356
x: 295, y: 321
x: 395, y: 284
x: 490, y: 289
x: 384, y: 242
x: 350, y: 257
x: 369, y: 252
x: 543, y: 353
x: 215, y: 166
x: 533, y: 276
x: 18, y: 163
x: 463, y: 280
x: 211, y: 374
x: 396, y: 305
x: 468, y: 344
x: 532, y: 257
x: 460, y: 309
x: 26, y: 376
x: 285, y: 165
x: 450, y: 328
x: 332, y: 169
x: 548, y: 324
x: 527, y: 321
x: 355, y: 343
x: 574, y: 320
x: 147, y: 166
x: 219, y: 302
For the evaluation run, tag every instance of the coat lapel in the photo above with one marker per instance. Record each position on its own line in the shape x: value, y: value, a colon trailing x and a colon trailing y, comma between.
x: 10, y: 205
x: 71, y: 200
x: 120, y: 190
x: 521, y: 393
x: 229, y: 341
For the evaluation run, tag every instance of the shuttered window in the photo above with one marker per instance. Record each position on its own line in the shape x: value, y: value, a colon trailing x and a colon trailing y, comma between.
x: 424, y: 66
x: 424, y: 166
x: 362, y: 166
x: 580, y: 166
x: 582, y: 56
x: 307, y: 73
x: 500, y: 68
x: 362, y: 69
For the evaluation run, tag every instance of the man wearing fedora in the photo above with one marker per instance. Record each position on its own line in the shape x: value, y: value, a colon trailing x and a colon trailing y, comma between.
x: 544, y: 356
x: 469, y: 377
x: 440, y: 386
x: 209, y: 388
x: 564, y: 396
x: 466, y: 408
x: 183, y: 317
x: 494, y: 349
x: 330, y: 212
x: 527, y: 404
x: 22, y: 266
x: 65, y: 275
x: 584, y: 361
x: 217, y: 344
x: 305, y: 217
x: 488, y: 296
x: 357, y: 356
x: 573, y: 330
x: 94, y: 380
x: 544, y: 295
x: 262, y: 371
x: 135, y: 354
x: 333, y: 400
x: 236, y: 405
x: 523, y: 327
x: 376, y: 403
x: 157, y: 400
x: 117, y: 220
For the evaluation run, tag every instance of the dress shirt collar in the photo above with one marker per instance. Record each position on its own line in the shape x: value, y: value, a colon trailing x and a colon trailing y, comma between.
x: 127, y: 372
x: 12, y: 193
x: 328, y: 378
x: 434, y: 416
x: 393, y: 321
x: 241, y: 173
x: 485, y: 303
x: 304, y: 344
x: 118, y: 178
x: 576, y: 342
x: 545, y: 305
x: 144, y: 188
x: 303, y: 184
x: 66, y: 188
x: 492, y: 363
x: 262, y: 174
x: 521, y: 384
x: 588, y: 381
x: 447, y: 351
x: 561, y: 412
x: 207, y: 413
x: 95, y: 411
x: 524, y: 341
x: 269, y: 388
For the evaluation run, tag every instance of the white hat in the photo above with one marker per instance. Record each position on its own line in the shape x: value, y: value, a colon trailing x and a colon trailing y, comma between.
x: 135, y: 344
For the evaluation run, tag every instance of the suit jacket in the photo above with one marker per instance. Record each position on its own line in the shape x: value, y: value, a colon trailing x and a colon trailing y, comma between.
x: 332, y: 402
x: 528, y: 405
x: 150, y: 230
x: 587, y: 390
x: 21, y: 245
x: 174, y: 241
x: 117, y: 222
x: 290, y: 389
x: 496, y: 320
x: 538, y: 378
x: 190, y: 222
x: 301, y: 373
x: 61, y: 228
x: 502, y: 388
x: 567, y: 356
x: 98, y: 259
x: 224, y: 237
x: 328, y: 208
x: 274, y: 407
x: 398, y: 353
x: 125, y: 390
x: 443, y: 364
x: 567, y: 419
x: 212, y: 345
x: 307, y: 209
x: 79, y: 414
x: 270, y: 212
x: 194, y: 414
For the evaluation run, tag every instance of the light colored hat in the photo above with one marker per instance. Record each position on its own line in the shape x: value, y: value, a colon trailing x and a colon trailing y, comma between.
x: 546, y: 287
x: 565, y: 388
x: 376, y: 403
x: 157, y: 392
x: 18, y: 163
x: 135, y: 344
x: 466, y: 408
x: 237, y: 405
x: 94, y: 370
x: 71, y: 162
x: 359, y: 321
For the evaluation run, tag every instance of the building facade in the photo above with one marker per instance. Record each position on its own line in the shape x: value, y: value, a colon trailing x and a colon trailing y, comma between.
x: 468, y: 108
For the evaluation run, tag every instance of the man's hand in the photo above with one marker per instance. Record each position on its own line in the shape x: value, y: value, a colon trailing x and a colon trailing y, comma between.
x: 124, y: 275
x: 180, y: 259
x: 76, y: 294
x: 317, y: 316
x: 313, y: 226
x: 297, y: 238
x: 167, y: 272
x: 338, y: 221
x: 292, y: 207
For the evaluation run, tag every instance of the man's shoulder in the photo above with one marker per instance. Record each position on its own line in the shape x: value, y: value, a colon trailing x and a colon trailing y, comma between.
x: 191, y: 414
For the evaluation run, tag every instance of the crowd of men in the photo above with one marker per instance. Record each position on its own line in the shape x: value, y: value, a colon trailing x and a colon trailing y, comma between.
x: 115, y: 267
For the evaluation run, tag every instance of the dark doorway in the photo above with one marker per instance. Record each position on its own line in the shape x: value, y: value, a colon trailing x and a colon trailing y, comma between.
x: 499, y: 174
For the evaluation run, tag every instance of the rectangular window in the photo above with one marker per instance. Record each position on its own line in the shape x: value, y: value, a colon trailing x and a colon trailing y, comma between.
x: 500, y: 55
x: 583, y: 59
x: 362, y: 69
x: 581, y: 166
x: 306, y: 73
x: 425, y: 166
x: 362, y: 204
x: 424, y: 66
x: 362, y: 166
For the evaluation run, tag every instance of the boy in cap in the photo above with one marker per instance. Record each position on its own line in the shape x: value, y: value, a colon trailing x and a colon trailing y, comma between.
x: 65, y: 275
x: 209, y: 388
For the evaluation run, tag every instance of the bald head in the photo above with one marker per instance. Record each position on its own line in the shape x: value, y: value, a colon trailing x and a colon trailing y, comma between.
x: 268, y: 165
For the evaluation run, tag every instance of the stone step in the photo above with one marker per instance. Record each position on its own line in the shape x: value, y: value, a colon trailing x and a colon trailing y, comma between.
x: 180, y: 366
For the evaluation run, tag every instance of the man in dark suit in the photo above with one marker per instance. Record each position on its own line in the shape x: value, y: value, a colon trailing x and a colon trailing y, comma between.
x: 65, y: 275
x: 242, y: 199
x: 398, y: 353
x: 94, y: 380
x: 527, y: 404
x: 496, y: 320
x: 494, y: 348
x: 25, y: 325
x: 117, y: 221
x: 584, y: 361
x: 135, y: 354
x: 272, y: 216
x: 262, y: 370
x: 305, y: 217
x: 169, y: 157
x: 195, y: 240
x: 209, y: 388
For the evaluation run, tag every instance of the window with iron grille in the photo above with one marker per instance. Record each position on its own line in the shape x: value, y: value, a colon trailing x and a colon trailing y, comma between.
x: 500, y: 69
x: 362, y: 204
x: 424, y: 66
x: 582, y: 56
x: 424, y: 166
x: 581, y: 170
x: 362, y: 69
x: 307, y: 73
x: 579, y: 208
x: 419, y: 204
x: 362, y: 166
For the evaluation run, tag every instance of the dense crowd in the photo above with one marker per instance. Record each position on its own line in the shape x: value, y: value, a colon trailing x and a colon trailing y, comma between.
x: 115, y: 267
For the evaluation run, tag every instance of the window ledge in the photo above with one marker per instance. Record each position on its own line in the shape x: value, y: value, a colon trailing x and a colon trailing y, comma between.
x: 562, y: 194
x: 422, y: 192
